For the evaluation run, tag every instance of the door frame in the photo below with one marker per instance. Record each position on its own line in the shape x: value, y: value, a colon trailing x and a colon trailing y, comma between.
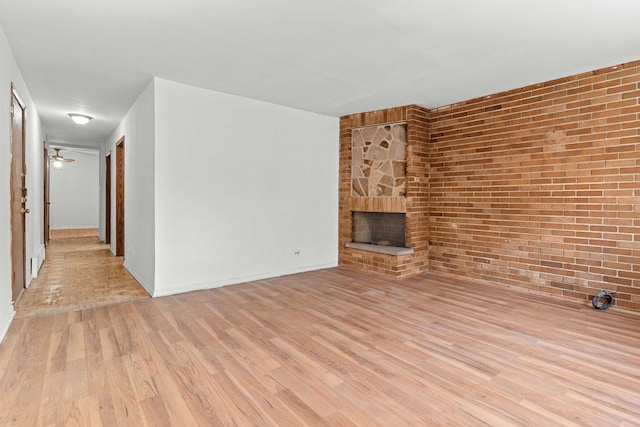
x: 107, y: 202
x: 19, y: 259
x: 120, y: 177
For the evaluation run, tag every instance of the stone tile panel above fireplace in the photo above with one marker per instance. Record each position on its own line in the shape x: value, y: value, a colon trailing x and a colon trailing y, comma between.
x: 379, y: 161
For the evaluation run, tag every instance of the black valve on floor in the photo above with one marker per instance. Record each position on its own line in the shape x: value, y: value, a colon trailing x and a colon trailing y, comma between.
x: 608, y: 300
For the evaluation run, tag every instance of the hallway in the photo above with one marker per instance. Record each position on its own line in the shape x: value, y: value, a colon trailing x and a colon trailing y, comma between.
x: 78, y: 272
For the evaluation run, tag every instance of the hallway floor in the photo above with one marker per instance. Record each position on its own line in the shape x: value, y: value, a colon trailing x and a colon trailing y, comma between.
x: 79, y: 272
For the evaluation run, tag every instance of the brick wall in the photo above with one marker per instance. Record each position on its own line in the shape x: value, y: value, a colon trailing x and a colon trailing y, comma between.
x: 539, y: 187
x: 415, y: 204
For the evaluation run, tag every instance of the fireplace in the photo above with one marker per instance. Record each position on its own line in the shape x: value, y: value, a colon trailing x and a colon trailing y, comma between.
x: 384, y: 191
x: 379, y: 228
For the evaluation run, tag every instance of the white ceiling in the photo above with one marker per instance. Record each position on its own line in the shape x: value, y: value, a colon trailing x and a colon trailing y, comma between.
x: 332, y: 57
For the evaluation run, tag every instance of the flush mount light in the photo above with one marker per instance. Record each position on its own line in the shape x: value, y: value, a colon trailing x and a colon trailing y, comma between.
x: 80, y: 119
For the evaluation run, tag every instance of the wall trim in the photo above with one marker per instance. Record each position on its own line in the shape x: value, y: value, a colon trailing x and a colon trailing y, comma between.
x: 75, y: 227
x: 6, y: 322
x: 242, y: 279
x: 147, y: 287
x: 40, y: 254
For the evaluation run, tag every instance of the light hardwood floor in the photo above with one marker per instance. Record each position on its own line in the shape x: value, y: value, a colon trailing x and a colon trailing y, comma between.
x: 330, y: 347
x: 78, y: 272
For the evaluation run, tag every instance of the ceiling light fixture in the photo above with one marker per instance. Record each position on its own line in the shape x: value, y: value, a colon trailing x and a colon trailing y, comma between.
x: 80, y: 119
x: 57, y: 164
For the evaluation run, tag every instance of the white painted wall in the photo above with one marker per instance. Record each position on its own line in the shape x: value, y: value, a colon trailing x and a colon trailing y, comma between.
x: 74, y: 192
x: 6, y: 308
x: 9, y: 72
x: 102, y: 198
x: 138, y: 128
x: 240, y: 187
x: 34, y: 155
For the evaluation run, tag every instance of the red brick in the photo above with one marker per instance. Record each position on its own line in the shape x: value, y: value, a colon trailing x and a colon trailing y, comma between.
x: 535, y: 187
x: 536, y: 178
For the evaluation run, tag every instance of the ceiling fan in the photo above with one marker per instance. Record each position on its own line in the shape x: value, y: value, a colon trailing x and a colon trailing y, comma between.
x: 58, y: 157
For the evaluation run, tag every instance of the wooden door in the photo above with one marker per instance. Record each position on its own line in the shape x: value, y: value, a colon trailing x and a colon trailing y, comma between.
x: 46, y: 177
x: 120, y: 197
x: 107, y: 204
x: 18, y: 196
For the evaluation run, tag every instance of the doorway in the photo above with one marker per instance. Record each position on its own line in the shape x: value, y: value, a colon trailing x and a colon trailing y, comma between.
x: 107, y: 207
x: 18, y: 196
x: 120, y: 197
x: 79, y: 270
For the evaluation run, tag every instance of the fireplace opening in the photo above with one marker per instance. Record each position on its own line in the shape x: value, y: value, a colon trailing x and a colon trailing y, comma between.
x: 379, y: 228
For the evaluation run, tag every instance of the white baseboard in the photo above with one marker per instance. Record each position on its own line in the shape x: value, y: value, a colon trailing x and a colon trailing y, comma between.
x: 38, y: 255
x: 143, y: 283
x: 74, y: 227
x: 236, y: 280
x: 41, y: 254
x: 6, y: 322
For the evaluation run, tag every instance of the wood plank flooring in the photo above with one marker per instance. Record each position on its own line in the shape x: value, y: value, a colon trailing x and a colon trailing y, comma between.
x: 330, y: 347
x: 68, y: 233
x: 78, y: 272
